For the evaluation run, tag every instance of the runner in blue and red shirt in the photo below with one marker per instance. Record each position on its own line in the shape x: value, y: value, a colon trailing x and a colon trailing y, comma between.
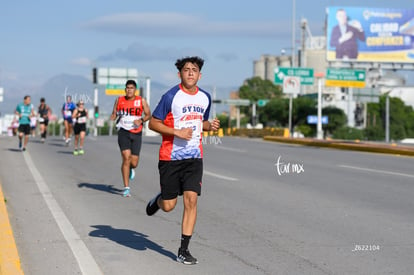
x: 181, y: 117
x: 67, y: 111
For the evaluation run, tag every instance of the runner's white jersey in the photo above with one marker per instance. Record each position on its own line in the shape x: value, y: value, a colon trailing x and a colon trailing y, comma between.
x: 179, y: 109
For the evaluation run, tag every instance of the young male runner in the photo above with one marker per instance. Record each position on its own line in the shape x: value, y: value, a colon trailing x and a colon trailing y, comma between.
x: 180, y: 117
x: 129, y: 110
x: 25, y: 111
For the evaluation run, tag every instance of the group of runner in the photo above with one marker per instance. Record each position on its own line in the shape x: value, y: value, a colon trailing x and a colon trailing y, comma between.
x: 180, y: 117
x: 74, y: 116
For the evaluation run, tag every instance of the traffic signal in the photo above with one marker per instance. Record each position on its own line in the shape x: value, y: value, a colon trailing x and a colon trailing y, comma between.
x: 96, y: 111
x: 359, y: 115
x: 95, y: 76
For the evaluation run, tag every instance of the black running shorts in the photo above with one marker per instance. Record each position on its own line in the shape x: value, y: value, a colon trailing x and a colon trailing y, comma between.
x: 179, y: 176
x: 24, y: 128
x: 45, y: 122
x: 79, y: 127
x: 130, y: 141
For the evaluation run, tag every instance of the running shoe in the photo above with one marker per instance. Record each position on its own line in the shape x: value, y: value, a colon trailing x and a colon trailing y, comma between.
x: 185, y: 257
x: 75, y: 152
x: 20, y: 144
x: 67, y: 142
x: 131, y: 174
x: 126, y: 192
x: 42, y: 140
x: 81, y: 152
x: 152, y: 206
x: 24, y: 149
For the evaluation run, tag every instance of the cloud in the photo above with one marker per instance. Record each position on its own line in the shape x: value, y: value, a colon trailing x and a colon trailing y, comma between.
x: 168, y: 24
x: 137, y: 52
x: 83, y: 61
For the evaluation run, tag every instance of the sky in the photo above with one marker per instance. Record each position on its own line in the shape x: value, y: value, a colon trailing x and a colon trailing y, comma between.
x: 44, y: 38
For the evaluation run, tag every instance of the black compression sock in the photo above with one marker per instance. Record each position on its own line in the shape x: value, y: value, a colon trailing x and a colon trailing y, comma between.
x: 185, y: 240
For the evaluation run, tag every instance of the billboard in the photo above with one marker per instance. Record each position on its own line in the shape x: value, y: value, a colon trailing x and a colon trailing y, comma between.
x: 370, y: 35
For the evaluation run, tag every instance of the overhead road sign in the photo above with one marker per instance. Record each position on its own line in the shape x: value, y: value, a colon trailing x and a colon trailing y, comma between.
x: 116, y: 76
x: 238, y: 102
x: 112, y: 89
x: 305, y: 74
x: 366, y: 95
x: 345, y: 78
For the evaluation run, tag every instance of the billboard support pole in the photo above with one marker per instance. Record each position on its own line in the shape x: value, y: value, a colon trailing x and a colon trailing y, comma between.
x: 387, y: 117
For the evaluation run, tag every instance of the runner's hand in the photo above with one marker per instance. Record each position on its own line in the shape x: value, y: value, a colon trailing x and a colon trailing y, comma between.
x: 215, y: 124
x: 184, y: 133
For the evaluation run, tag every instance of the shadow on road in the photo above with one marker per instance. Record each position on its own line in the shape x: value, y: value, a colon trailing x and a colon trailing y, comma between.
x: 57, y: 144
x: 101, y: 187
x: 65, y: 152
x: 129, y: 238
x: 14, y: 150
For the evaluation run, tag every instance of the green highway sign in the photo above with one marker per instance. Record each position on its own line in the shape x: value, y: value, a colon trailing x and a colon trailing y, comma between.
x: 345, y: 78
x: 305, y: 74
x: 115, y: 86
x: 262, y: 102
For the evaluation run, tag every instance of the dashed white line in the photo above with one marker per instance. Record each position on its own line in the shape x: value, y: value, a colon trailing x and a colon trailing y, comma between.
x: 219, y: 176
x: 230, y: 149
x: 377, y: 171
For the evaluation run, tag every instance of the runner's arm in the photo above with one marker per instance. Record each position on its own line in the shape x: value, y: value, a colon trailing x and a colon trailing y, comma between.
x: 113, y: 115
x: 158, y: 126
x: 147, y: 111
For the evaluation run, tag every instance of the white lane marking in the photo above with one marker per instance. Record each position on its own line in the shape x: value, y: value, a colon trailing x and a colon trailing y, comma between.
x: 87, y: 263
x: 219, y: 176
x: 230, y: 149
x: 377, y: 171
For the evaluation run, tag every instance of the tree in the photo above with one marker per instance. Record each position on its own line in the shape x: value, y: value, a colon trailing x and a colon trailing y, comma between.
x: 302, y: 107
x: 336, y: 119
x: 275, y: 112
x: 256, y: 88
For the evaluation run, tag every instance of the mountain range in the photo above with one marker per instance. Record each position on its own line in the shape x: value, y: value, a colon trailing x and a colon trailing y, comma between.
x: 79, y: 87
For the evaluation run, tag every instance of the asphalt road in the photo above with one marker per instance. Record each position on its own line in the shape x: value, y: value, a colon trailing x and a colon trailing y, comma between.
x: 265, y: 208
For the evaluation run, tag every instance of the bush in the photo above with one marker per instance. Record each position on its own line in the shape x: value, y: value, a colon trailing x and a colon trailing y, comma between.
x: 306, y: 130
x: 348, y: 133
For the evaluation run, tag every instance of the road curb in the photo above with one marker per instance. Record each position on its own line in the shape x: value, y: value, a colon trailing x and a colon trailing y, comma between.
x: 348, y: 145
x: 9, y: 257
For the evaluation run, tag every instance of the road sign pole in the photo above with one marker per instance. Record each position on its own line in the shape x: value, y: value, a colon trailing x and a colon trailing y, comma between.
x: 319, y: 126
x: 290, y: 114
x: 95, y: 103
x: 351, y: 122
x: 254, y: 114
x: 238, y: 117
x: 319, y: 132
